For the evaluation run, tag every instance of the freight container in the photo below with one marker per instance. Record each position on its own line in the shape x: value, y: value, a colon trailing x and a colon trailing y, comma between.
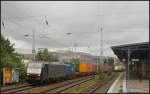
x: 90, y: 68
x: 84, y: 67
x: 95, y: 68
x: 105, y: 68
x: 69, y: 69
x: 87, y: 68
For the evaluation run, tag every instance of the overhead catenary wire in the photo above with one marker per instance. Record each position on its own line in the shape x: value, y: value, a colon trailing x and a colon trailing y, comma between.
x: 27, y: 28
x: 29, y: 17
x: 44, y: 36
x: 46, y: 21
x: 30, y: 30
x: 35, y: 20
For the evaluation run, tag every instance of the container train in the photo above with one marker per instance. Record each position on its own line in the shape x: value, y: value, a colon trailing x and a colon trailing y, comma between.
x: 39, y: 71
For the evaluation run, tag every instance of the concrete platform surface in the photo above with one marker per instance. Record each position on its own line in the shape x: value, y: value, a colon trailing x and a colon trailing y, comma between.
x: 138, y: 86
x: 121, y: 85
x: 117, y: 86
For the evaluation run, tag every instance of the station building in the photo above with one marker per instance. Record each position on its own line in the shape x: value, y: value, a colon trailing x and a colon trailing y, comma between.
x: 135, y: 56
x: 136, y: 59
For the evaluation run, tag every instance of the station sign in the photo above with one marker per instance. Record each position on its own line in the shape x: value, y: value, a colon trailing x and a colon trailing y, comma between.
x: 135, y: 60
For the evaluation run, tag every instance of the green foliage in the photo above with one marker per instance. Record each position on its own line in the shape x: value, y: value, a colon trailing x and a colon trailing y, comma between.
x: 9, y: 57
x: 74, y: 61
x: 100, y: 75
x: 109, y: 61
x: 44, y: 55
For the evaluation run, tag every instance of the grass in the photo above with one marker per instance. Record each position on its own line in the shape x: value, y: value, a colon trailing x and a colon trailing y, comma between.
x: 79, y: 88
x: 100, y: 75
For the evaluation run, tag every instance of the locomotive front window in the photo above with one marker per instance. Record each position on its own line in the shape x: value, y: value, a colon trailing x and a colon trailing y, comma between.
x: 34, y: 68
x: 35, y: 65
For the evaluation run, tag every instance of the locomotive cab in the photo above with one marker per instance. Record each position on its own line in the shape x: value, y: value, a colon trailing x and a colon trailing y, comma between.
x: 34, y: 71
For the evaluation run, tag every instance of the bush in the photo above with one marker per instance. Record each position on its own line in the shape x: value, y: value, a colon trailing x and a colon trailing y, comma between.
x: 100, y: 75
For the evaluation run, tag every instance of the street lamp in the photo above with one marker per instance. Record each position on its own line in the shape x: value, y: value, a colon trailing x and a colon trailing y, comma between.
x: 33, y: 44
x: 69, y: 33
x: 75, y: 45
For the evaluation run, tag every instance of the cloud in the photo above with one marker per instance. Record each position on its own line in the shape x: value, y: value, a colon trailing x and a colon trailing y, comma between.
x: 123, y: 22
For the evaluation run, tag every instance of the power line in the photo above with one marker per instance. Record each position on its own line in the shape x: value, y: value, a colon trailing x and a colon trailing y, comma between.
x: 27, y: 28
x: 27, y: 16
x: 32, y: 17
x: 44, y: 36
x: 31, y: 30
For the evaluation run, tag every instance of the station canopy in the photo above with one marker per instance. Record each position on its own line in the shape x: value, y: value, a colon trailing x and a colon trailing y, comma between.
x: 136, y: 50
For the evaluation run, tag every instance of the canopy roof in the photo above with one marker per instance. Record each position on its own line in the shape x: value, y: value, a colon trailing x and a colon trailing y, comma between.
x: 137, y: 50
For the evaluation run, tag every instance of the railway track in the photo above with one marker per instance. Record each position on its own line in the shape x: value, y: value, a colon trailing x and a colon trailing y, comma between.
x: 99, y: 84
x: 13, y: 86
x: 43, y: 89
x: 106, y: 87
x: 65, y: 86
x: 60, y: 87
x: 17, y: 89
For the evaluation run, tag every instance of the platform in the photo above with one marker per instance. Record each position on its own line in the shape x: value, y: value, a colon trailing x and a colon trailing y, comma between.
x: 138, y: 86
x: 121, y: 85
x: 117, y: 86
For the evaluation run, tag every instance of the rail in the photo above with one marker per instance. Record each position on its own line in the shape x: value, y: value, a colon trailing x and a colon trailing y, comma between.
x: 99, y: 84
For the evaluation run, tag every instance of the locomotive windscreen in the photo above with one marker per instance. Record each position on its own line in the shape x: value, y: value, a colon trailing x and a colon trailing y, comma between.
x: 34, y: 68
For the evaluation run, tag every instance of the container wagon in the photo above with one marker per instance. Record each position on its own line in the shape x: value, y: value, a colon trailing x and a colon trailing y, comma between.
x: 87, y: 68
x: 106, y: 68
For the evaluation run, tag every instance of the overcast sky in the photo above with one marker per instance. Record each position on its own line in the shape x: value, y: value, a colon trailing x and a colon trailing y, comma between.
x: 123, y: 22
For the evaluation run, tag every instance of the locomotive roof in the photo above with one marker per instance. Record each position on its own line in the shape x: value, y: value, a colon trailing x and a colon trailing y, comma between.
x: 46, y: 62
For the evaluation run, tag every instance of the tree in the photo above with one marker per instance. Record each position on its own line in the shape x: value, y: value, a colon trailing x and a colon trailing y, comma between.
x: 110, y: 61
x: 9, y: 57
x: 44, y: 55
